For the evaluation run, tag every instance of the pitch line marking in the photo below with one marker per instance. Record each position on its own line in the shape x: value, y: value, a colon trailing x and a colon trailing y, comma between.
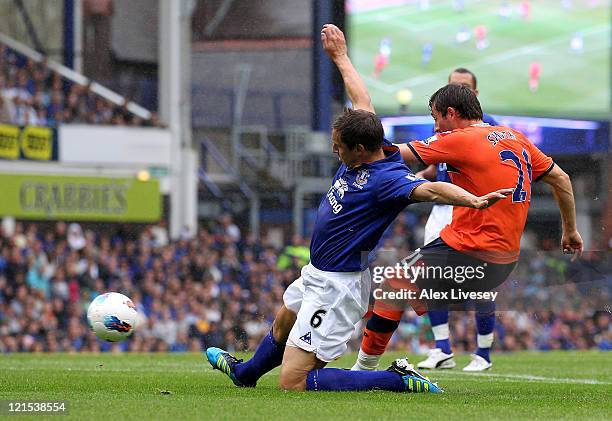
x: 523, y: 377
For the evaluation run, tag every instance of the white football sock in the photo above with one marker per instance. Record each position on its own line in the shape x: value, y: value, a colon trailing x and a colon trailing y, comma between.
x: 366, y: 362
x: 441, y: 332
x: 485, y: 341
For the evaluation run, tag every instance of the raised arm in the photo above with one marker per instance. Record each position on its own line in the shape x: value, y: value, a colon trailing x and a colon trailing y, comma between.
x: 449, y: 194
x: 571, y: 241
x: 334, y: 44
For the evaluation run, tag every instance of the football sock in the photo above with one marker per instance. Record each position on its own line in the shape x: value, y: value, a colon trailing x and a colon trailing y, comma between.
x: 376, y: 336
x: 485, y: 323
x: 439, y: 326
x: 366, y: 361
x: 336, y: 379
x: 269, y: 355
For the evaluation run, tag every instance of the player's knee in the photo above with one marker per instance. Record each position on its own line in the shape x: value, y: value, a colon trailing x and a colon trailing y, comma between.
x: 283, y: 322
x: 388, y: 311
x: 295, y: 367
x: 485, y: 308
x: 292, y: 382
x: 382, y: 324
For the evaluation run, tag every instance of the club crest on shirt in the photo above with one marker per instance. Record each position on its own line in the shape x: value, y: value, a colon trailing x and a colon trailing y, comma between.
x: 361, y: 179
x: 430, y: 140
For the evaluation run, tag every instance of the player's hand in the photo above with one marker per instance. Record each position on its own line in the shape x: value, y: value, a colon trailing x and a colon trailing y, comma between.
x: 571, y: 243
x: 333, y: 41
x: 490, y: 199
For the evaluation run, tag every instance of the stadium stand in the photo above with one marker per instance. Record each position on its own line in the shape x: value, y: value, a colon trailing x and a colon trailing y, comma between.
x: 33, y: 94
x: 221, y: 288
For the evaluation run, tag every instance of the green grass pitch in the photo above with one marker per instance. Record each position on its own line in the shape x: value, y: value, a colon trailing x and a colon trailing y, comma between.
x: 547, y: 386
x: 571, y: 85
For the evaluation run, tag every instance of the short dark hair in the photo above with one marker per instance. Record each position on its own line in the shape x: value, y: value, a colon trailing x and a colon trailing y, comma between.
x: 459, y: 97
x: 359, y: 127
x: 465, y: 71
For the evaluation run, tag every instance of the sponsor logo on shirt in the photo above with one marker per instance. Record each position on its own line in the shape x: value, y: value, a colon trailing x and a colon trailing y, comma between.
x: 339, y: 188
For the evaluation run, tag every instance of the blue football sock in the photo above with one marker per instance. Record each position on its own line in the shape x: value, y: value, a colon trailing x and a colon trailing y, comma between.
x: 485, y: 323
x: 484, y: 353
x: 444, y: 345
x: 269, y: 355
x: 438, y: 318
x: 339, y: 380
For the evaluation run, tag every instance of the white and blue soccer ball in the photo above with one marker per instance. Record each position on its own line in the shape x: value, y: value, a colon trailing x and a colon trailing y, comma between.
x: 112, y: 317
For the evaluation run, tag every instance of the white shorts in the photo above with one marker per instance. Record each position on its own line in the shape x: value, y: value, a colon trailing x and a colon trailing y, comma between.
x: 440, y: 216
x: 328, y: 306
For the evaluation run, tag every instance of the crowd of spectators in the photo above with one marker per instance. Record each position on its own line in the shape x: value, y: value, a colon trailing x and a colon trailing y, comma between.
x: 32, y: 94
x: 222, y: 288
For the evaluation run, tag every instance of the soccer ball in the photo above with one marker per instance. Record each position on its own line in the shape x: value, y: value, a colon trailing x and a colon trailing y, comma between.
x: 112, y: 317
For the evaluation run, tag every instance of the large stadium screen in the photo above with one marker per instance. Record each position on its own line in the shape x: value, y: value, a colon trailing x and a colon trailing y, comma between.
x: 552, y: 136
x: 544, y: 58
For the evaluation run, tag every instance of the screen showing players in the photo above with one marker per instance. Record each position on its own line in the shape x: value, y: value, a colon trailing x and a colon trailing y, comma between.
x: 541, y: 58
x: 553, y: 136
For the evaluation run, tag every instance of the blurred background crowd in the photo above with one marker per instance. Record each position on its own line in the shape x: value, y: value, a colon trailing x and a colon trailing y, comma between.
x: 33, y: 94
x: 222, y: 287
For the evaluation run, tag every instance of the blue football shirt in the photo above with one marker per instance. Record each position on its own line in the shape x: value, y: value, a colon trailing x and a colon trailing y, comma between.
x: 360, y: 204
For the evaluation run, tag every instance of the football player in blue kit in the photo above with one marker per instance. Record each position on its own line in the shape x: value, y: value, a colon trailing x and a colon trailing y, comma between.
x: 322, y: 307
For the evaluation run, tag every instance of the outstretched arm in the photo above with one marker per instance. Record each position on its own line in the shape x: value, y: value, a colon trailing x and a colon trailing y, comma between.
x: 571, y: 241
x: 335, y: 46
x: 428, y: 173
x: 449, y: 194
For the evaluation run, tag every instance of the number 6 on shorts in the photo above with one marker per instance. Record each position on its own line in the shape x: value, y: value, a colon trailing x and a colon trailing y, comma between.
x: 317, y: 319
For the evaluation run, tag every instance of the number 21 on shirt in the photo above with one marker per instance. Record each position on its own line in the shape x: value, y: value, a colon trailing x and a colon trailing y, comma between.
x: 520, y: 193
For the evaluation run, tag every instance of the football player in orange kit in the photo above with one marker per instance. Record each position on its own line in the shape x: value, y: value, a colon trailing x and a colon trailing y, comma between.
x: 480, y: 158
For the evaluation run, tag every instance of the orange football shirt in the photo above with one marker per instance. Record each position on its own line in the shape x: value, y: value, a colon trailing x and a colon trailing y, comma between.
x: 482, y: 159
